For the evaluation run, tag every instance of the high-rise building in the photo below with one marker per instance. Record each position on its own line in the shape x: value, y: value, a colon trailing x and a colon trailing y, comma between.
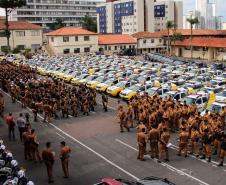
x: 130, y: 16
x: 42, y: 12
x: 207, y: 9
x: 191, y: 14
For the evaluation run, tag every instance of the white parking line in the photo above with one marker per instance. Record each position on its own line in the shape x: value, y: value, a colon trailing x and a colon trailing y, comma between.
x: 96, y: 153
x: 167, y: 165
x: 60, y: 135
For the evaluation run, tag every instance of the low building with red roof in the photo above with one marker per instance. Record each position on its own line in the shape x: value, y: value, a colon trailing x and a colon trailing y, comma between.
x: 150, y: 42
x: 210, y: 48
x: 73, y: 40
x: 24, y: 35
x: 114, y: 43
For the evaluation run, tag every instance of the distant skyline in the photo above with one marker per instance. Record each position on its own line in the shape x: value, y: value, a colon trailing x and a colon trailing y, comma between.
x: 190, y: 5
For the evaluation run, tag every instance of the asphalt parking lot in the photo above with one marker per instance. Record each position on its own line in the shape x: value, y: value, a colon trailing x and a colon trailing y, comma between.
x: 99, y: 150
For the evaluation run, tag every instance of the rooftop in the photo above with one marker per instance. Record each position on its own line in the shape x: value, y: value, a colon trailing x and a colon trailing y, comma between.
x: 111, y: 39
x: 69, y: 31
x: 19, y: 25
x: 185, y: 32
x: 204, y: 42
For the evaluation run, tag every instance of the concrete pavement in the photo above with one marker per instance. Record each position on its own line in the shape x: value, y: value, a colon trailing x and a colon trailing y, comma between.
x: 99, y: 150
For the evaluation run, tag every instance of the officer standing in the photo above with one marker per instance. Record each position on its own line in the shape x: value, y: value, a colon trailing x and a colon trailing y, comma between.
x: 183, y: 144
x: 223, y: 151
x: 48, y: 158
x: 141, y: 140
x: 64, y: 156
x: 154, y: 138
x: 105, y: 102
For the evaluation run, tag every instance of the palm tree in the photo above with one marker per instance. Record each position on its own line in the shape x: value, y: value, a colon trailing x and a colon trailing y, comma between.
x: 169, y: 26
x: 192, y: 21
x: 176, y: 37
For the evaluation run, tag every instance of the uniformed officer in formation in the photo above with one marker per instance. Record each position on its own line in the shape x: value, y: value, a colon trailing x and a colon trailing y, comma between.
x: 198, y: 135
x: 46, y: 96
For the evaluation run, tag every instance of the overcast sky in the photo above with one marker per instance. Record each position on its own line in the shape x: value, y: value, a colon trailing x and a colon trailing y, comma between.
x: 190, y: 5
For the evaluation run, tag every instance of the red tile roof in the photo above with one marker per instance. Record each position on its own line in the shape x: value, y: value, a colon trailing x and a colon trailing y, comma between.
x: 111, y: 39
x: 67, y: 31
x: 200, y: 32
x: 19, y: 25
x: 204, y: 42
x: 185, y: 32
x: 140, y: 35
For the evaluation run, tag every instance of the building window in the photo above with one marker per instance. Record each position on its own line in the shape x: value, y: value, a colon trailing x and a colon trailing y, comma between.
x: 35, y: 46
x: 52, y: 39
x: 86, y: 38
x: 105, y: 48
x: 66, y: 51
x: 65, y: 39
x: 86, y: 50
x: 205, y: 48
x: 77, y: 50
x: 76, y: 38
x: 152, y: 41
x: 20, y: 47
x: 116, y: 47
x: 109, y: 48
x: 160, y: 40
x: 2, y: 34
x: 144, y: 41
x: 35, y: 33
x: 20, y: 33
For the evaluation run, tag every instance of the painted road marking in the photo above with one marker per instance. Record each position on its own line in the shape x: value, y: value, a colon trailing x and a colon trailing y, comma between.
x: 96, y: 153
x: 167, y: 165
x: 60, y: 135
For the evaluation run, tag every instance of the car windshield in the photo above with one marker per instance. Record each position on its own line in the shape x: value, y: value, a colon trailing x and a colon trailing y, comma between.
x: 215, y: 108
x: 83, y: 76
x: 189, y: 100
x: 213, y: 82
x: 135, y: 88
x: 109, y: 82
x: 90, y: 77
x: 100, y: 79
x: 120, y: 84
x: 223, y: 94
x: 151, y: 92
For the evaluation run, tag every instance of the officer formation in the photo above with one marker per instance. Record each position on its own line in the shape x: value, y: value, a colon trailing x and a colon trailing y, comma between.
x: 155, y: 119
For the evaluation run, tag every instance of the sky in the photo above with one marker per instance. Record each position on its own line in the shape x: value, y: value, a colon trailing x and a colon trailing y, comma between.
x: 190, y: 5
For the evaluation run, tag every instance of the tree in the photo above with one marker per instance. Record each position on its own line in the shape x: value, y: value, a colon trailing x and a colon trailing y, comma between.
x: 169, y: 26
x: 57, y: 24
x: 9, y: 5
x: 192, y: 21
x: 88, y: 23
x: 176, y: 37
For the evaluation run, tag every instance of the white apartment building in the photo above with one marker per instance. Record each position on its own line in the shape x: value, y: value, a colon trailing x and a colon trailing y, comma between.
x: 131, y: 16
x: 42, y: 12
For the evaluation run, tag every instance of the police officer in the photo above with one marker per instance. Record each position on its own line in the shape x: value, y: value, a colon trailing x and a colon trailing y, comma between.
x: 223, y: 150
x: 48, y: 158
x: 141, y: 140
x: 64, y: 156
x: 183, y: 142
x: 154, y: 138
x: 163, y: 142
x: 105, y: 102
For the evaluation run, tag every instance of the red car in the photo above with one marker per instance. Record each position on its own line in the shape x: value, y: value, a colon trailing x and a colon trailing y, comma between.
x: 145, y: 181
